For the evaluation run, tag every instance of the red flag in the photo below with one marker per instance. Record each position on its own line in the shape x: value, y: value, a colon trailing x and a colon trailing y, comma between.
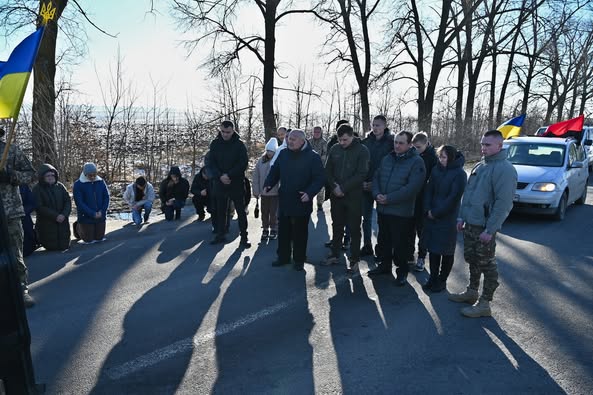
x: 561, y: 128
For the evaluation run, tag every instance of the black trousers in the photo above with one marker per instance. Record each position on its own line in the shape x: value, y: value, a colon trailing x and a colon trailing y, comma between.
x: 223, y: 216
x: 418, y: 230
x: 395, y: 241
x: 293, y: 234
x: 201, y: 203
x: 346, y: 213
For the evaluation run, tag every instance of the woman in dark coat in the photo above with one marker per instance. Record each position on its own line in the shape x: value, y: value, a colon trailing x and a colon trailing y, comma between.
x: 173, y: 193
x: 441, y: 205
x: 53, y: 209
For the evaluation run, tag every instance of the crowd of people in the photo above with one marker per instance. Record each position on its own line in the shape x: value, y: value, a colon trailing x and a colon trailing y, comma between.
x: 419, y: 193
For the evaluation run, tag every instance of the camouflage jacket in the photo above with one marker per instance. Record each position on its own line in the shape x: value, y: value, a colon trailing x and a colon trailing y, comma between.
x: 20, y: 164
x: 320, y: 146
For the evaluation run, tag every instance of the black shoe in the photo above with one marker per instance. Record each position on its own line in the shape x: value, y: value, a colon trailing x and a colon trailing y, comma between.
x: 380, y: 270
x: 346, y: 245
x: 328, y: 244
x: 298, y: 266
x: 366, y: 250
x: 273, y: 234
x: 438, y: 286
x: 201, y: 217
x: 428, y: 285
x: 278, y: 263
x: 218, y: 240
x: 264, y: 235
x: 401, y: 281
x: 245, y: 243
x: 145, y: 218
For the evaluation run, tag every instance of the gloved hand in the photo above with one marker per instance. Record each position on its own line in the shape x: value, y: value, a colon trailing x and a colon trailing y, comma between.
x: 8, y: 177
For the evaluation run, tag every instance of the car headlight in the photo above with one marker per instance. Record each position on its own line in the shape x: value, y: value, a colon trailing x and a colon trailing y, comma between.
x: 544, y: 187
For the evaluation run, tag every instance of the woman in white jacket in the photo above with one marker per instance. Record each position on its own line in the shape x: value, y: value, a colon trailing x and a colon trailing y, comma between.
x: 140, y: 195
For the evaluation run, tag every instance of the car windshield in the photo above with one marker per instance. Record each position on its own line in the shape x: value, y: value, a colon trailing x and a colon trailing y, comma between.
x: 535, y: 154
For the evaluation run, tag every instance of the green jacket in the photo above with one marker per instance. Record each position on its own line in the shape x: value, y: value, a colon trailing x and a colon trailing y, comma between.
x: 348, y: 168
x: 488, y: 197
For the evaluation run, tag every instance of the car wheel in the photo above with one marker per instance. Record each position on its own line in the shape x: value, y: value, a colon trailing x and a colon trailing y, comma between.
x: 583, y: 197
x: 561, y: 210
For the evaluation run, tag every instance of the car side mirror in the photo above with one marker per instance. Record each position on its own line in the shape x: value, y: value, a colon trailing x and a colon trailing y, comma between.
x: 588, y: 142
x: 576, y: 165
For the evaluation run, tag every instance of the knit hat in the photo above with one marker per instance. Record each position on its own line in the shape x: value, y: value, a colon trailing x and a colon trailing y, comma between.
x: 89, y: 168
x: 272, y: 144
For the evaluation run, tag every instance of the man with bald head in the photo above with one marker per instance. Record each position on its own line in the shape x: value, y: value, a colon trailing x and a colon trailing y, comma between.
x: 300, y: 173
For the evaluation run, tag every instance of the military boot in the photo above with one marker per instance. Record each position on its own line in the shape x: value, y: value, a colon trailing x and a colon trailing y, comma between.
x: 468, y: 296
x: 479, y: 309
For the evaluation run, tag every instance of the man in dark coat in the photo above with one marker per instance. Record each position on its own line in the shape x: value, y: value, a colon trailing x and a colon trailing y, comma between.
x: 228, y: 162
x: 429, y: 156
x: 53, y: 210
x: 395, y: 186
x: 379, y: 142
x: 345, y: 170
x: 200, y: 189
x: 300, y: 172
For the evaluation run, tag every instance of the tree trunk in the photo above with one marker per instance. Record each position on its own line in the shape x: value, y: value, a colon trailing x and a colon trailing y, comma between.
x: 269, y: 70
x: 492, y: 92
x: 44, y: 96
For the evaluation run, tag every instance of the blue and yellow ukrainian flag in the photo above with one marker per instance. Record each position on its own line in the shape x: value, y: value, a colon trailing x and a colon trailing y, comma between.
x: 15, y: 72
x: 512, y: 127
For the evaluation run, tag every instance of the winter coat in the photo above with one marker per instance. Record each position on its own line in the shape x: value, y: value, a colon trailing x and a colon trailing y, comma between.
x: 20, y: 165
x: 400, y: 177
x: 228, y: 157
x: 442, y: 197
x: 348, y: 168
x: 30, y: 242
x: 297, y: 171
x: 130, y: 194
x: 52, y: 200
x: 199, y: 183
x: 261, y: 171
x: 169, y: 190
x: 90, y: 197
x: 488, y: 197
x: 377, y: 150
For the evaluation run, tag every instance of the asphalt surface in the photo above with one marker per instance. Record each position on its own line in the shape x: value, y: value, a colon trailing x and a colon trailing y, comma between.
x: 157, y: 310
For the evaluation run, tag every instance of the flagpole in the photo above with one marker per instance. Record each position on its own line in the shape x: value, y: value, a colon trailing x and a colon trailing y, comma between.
x: 9, y: 139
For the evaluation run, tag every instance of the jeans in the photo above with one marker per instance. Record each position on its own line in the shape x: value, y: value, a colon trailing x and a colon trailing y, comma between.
x: 137, y: 214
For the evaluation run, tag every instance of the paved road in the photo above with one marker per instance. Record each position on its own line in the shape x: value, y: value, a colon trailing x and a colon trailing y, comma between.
x: 159, y: 310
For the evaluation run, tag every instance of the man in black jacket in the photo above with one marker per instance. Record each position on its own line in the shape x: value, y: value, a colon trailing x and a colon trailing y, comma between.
x: 228, y: 162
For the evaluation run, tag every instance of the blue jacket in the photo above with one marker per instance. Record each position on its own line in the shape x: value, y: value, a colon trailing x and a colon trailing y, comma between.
x: 400, y: 178
x: 300, y: 171
x: 90, y: 197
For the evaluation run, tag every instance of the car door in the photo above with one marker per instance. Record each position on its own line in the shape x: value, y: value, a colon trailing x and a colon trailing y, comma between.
x: 576, y: 175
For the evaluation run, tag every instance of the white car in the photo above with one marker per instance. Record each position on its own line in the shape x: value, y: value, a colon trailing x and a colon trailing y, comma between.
x: 552, y: 174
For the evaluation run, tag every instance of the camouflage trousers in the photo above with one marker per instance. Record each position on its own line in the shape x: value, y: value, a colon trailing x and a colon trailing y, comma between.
x: 481, y: 259
x: 15, y: 235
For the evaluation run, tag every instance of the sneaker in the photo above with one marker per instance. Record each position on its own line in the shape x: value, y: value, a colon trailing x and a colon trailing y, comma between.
x: 28, y: 300
x: 264, y: 235
x: 330, y: 260
x: 380, y: 270
x: 273, y: 234
x: 244, y: 242
x: 419, y: 265
x: 468, y: 296
x: 428, y: 285
x: 366, y: 250
x: 478, y: 309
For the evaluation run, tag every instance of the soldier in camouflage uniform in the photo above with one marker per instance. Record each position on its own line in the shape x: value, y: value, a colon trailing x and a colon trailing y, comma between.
x: 18, y: 171
x: 319, y: 145
x: 487, y: 201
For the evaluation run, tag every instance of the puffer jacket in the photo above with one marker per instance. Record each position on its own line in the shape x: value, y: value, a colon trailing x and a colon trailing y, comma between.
x: 442, y: 197
x: 400, y: 178
x: 488, y: 197
x: 90, y: 197
x: 52, y: 200
x: 261, y: 171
